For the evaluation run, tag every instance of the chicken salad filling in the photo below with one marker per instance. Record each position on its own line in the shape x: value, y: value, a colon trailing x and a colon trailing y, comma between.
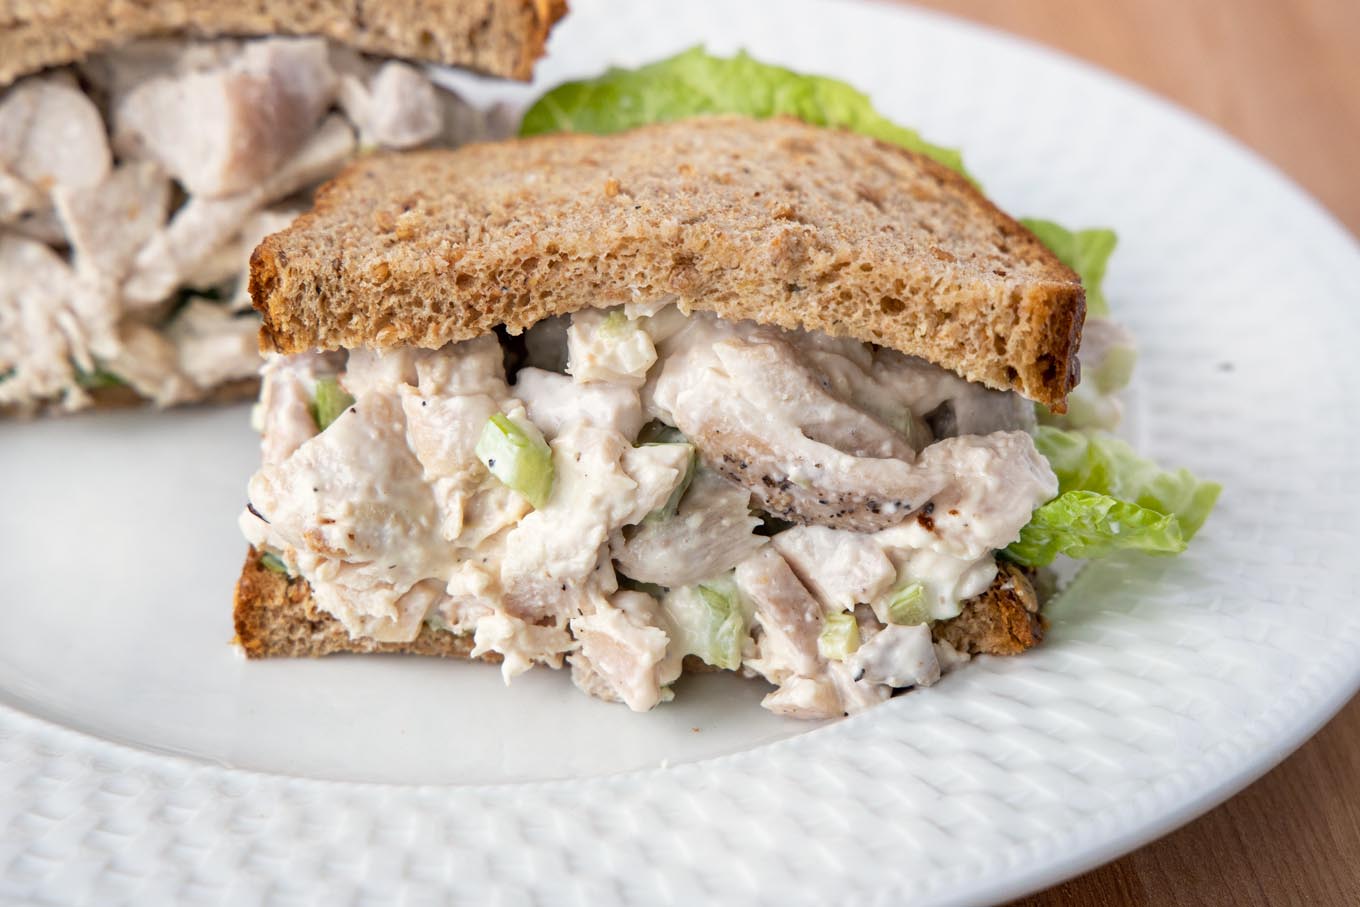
x: 624, y: 489
x: 134, y: 186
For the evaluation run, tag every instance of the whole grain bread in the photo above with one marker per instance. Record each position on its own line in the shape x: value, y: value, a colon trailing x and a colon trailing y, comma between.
x: 275, y: 616
x: 773, y: 220
x: 496, y: 37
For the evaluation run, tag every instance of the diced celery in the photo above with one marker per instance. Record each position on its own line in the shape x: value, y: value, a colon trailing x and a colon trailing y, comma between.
x: 840, y: 636
x: 331, y: 400
x: 516, y: 453
x: 616, y: 326
x: 274, y: 563
x: 908, y: 606
x: 708, y: 621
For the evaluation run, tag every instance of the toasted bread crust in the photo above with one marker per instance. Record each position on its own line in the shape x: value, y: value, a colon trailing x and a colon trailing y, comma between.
x: 495, y: 37
x: 275, y: 616
x: 775, y: 221
x: 1004, y: 620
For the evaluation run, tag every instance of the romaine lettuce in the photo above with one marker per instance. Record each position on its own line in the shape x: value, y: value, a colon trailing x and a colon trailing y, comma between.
x: 695, y: 83
x: 1106, y: 465
x: 1110, y: 499
x: 1086, y: 524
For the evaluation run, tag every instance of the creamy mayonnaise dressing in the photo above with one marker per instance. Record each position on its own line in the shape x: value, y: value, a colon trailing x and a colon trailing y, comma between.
x: 655, y: 541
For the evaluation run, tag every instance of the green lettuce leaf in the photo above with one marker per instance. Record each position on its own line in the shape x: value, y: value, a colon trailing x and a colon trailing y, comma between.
x: 1086, y: 524
x: 1110, y: 499
x: 1106, y: 465
x: 695, y: 83
x: 1085, y: 251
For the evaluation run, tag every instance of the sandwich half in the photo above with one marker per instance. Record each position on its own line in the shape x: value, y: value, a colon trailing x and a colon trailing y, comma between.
x: 145, y: 148
x: 746, y: 394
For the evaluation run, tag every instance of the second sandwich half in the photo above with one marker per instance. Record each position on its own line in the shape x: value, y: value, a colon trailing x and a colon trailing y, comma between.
x: 750, y: 395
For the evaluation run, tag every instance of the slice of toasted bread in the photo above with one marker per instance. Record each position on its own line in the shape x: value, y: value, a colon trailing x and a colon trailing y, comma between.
x: 496, y: 37
x: 774, y: 220
x: 275, y: 616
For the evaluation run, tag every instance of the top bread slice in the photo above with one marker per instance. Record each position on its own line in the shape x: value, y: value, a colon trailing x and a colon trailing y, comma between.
x: 495, y: 37
x: 770, y: 220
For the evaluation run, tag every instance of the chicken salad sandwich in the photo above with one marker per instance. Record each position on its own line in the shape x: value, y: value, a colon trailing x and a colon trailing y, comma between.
x: 713, y: 369
x: 146, y: 148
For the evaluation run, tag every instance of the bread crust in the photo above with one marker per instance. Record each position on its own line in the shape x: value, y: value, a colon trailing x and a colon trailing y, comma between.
x: 496, y: 37
x: 775, y: 221
x: 275, y: 616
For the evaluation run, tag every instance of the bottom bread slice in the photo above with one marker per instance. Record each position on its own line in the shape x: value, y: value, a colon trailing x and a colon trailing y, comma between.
x: 275, y: 615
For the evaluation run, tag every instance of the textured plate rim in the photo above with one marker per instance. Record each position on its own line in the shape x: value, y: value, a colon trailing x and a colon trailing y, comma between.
x: 1164, y: 806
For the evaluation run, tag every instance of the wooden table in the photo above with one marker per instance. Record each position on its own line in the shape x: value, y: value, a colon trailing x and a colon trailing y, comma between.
x: 1283, y: 76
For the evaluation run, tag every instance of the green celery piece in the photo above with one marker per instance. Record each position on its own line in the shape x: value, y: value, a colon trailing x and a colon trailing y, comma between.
x: 517, y: 455
x: 839, y: 638
x: 273, y: 563
x: 907, y: 606
x: 330, y: 401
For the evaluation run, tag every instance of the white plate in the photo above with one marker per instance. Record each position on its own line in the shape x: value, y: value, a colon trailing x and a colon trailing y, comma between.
x: 144, y: 762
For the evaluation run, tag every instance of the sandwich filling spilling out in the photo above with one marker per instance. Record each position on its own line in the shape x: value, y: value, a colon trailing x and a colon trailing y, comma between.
x: 627, y: 489
x: 134, y: 186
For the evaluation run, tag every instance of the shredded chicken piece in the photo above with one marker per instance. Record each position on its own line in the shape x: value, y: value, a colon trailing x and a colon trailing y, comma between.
x: 710, y: 533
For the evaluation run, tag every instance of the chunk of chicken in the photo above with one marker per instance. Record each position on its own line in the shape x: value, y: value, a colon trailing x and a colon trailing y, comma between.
x: 355, y: 493
x: 40, y: 340
x: 221, y: 131
x: 608, y: 347
x: 396, y: 107
x: 52, y: 135
x: 148, y: 361
x: 993, y: 483
x: 601, y: 483
x: 287, y: 389
x: 457, y: 392
x: 18, y: 198
x: 710, y: 533
x: 624, y: 647
x: 789, y: 618
x: 521, y: 644
x: 202, y: 225
x: 555, y: 401
x: 107, y: 223
x: 214, y: 345
x: 762, y: 418
x: 841, y: 568
x: 897, y: 657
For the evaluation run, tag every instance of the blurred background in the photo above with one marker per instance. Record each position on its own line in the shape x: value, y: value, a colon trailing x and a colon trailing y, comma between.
x: 1283, y: 76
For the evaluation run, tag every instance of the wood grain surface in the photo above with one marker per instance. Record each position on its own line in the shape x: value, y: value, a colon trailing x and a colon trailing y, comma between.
x: 1284, y: 77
